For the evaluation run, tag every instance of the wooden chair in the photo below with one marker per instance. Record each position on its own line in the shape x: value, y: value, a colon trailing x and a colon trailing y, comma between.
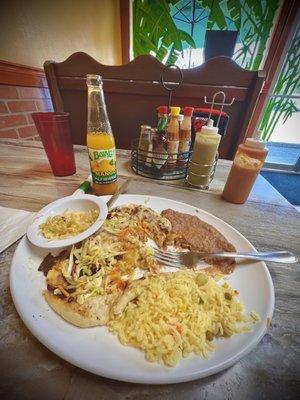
x: 133, y: 92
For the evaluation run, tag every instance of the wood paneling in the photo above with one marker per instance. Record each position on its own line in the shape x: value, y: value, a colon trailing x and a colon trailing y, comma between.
x: 133, y: 92
x: 21, y: 75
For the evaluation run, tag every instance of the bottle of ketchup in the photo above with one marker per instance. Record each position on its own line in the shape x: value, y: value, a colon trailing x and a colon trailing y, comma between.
x: 246, y: 166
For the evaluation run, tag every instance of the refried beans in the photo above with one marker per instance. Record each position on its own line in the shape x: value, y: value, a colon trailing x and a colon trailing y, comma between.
x: 188, y: 231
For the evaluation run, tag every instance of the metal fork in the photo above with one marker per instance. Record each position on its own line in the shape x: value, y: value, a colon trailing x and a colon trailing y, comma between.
x: 191, y: 258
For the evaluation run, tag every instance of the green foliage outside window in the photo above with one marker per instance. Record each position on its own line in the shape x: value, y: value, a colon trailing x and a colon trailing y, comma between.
x: 156, y: 32
x: 288, y: 83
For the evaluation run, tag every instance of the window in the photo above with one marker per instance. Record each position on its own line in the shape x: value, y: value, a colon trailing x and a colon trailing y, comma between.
x: 281, y: 118
x: 175, y: 31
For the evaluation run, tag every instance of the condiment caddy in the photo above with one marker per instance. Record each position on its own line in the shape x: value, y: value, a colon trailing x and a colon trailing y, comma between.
x: 165, y: 152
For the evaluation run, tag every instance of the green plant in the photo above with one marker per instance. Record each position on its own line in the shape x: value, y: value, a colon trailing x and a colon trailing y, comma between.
x: 254, y: 17
x: 154, y: 31
x: 288, y: 82
x: 258, y: 18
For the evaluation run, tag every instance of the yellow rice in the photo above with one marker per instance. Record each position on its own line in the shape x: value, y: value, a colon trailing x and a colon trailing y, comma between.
x: 178, y: 314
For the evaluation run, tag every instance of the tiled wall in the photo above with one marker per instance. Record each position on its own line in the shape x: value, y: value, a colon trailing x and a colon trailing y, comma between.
x: 16, y: 105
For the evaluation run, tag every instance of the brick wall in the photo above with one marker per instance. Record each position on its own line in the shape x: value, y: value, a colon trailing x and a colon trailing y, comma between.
x: 16, y: 105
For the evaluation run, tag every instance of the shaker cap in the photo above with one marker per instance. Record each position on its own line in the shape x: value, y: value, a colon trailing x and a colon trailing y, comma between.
x: 188, y: 111
x: 162, y: 110
x: 175, y: 111
x: 209, y: 127
x: 256, y: 141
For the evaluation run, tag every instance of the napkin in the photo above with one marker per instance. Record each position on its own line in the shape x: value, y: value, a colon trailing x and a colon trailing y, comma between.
x: 13, y: 225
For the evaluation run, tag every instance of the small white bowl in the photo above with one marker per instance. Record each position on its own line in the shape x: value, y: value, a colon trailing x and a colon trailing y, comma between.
x: 84, y: 202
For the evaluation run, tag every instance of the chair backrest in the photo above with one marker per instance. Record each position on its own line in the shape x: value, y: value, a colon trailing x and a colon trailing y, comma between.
x: 133, y: 92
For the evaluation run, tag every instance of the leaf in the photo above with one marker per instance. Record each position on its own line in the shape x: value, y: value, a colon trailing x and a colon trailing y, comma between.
x: 290, y: 109
x: 155, y: 31
x: 216, y: 15
x: 162, y: 53
x: 184, y: 36
x: 256, y: 7
x: 173, y: 56
x: 235, y: 11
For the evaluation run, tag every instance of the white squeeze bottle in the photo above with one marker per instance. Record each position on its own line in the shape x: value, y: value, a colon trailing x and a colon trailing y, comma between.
x: 204, y: 153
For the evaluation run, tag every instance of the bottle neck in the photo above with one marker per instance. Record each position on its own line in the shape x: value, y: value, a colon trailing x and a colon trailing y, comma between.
x: 97, y: 118
x: 174, y: 120
x: 186, y: 123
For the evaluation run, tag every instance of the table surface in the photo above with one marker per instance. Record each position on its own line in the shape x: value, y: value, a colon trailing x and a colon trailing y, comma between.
x: 271, y: 370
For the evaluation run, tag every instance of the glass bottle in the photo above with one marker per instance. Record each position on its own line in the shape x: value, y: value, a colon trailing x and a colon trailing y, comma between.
x: 145, y: 145
x: 185, y: 136
x: 100, y: 140
x: 173, y: 135
x: 159, y: 139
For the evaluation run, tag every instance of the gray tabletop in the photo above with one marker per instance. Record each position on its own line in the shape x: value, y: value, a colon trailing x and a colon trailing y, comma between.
x: 271, y: 370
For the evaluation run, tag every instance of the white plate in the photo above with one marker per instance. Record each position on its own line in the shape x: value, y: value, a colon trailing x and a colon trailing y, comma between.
x: 98, y: 351
x: 84, y: 202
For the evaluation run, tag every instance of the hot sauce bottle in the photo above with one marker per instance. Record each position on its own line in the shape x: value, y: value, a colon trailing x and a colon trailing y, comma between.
x: 185, y: 136
x: 173, y: 135
x: 159, y: 139
x: 100, y: 140
x: 247, y: 163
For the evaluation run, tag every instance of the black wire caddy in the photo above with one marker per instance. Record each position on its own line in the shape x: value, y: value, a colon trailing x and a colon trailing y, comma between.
x: 175, y: 166
x: 160, y: 166
x: 157, y: 165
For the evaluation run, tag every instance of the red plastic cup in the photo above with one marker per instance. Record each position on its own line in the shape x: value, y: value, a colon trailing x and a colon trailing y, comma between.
x: 55, y: 133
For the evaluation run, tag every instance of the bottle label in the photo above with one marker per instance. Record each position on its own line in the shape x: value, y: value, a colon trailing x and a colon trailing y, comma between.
x: 160, y: 156
x: 173, y: 150
x: 103, y: 165
x: 183, y: 149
